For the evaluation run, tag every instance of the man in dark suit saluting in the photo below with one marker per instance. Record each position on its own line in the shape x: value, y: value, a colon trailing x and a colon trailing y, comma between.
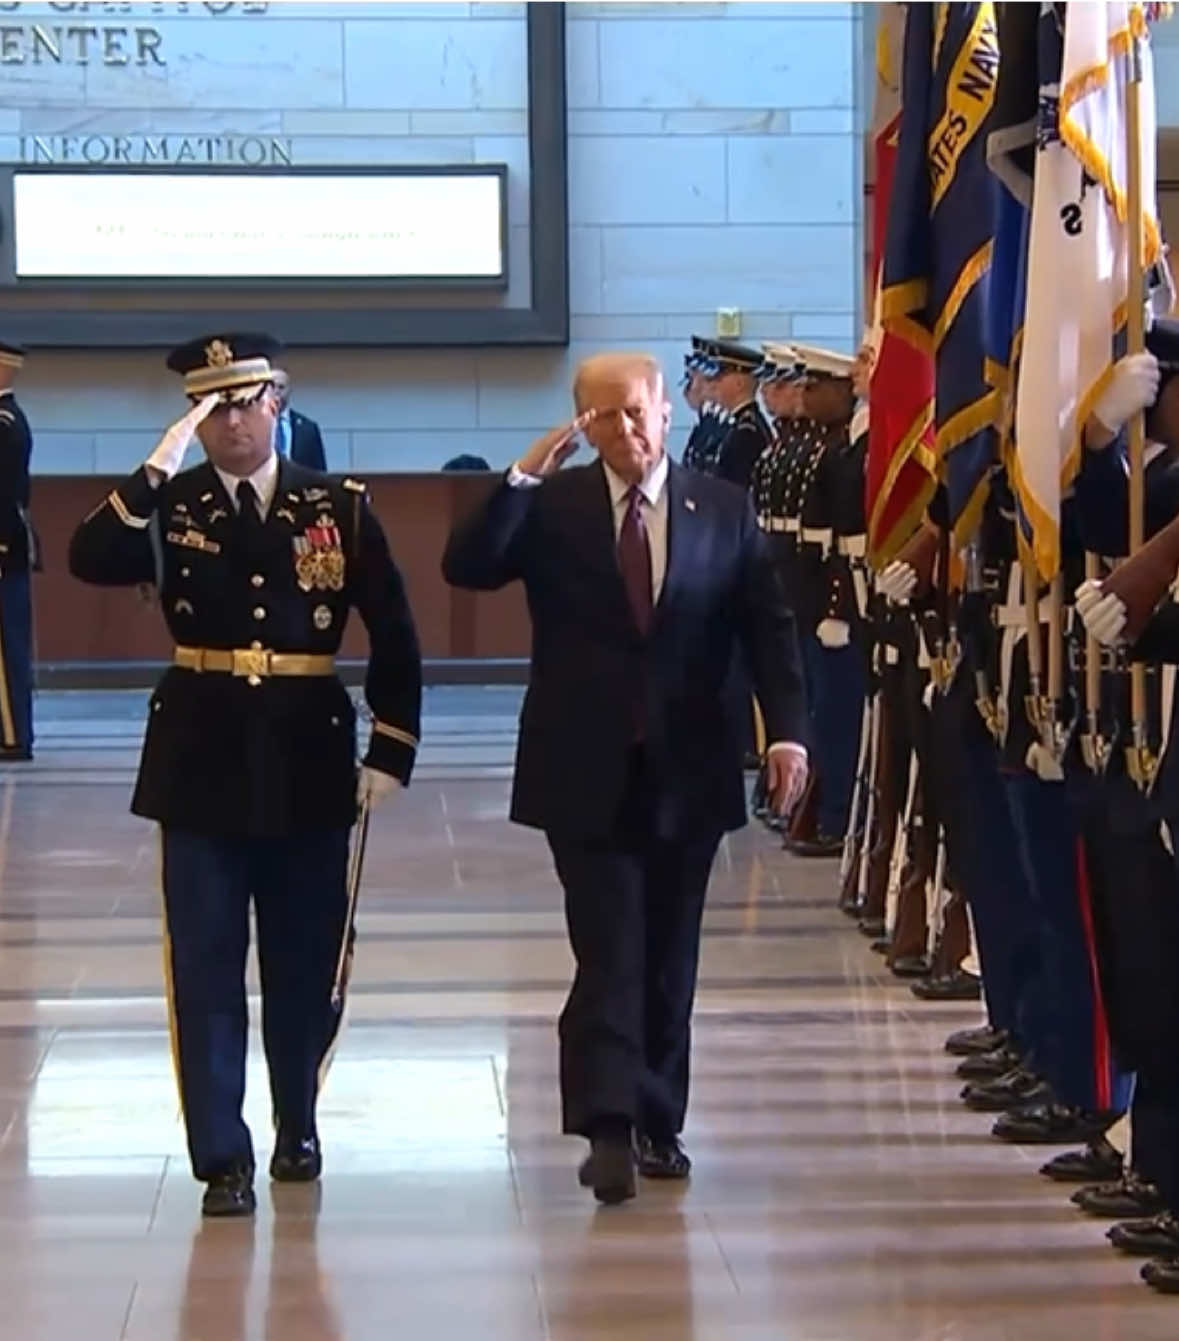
x: 642, y: 579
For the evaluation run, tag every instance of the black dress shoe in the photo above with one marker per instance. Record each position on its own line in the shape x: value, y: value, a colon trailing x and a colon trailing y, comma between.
x: 230, y: 1193
x: 610, y: 1170
x: 956, y: 986
x: 872, y: 927
x: 966, y: 1042
x: 1156, y: 1237
x: 881, y: 947
x: 1099, y: 1162
x: 1050, y: 1123
x: 660, y: 1157
x: 296, y: 1160
x: 1016, y: 1089
x: 821, y: 845
x: 911, y: 966
x: 988, y: 1065
x: 1162, y: 1275
x: 15, y: 756
x: 1125, y: 1199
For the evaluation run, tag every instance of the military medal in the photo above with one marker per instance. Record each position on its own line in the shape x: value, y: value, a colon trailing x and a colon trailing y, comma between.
x: 319, y: 558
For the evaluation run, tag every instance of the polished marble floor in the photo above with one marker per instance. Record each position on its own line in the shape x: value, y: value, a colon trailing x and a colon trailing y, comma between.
x: 841, y: 1192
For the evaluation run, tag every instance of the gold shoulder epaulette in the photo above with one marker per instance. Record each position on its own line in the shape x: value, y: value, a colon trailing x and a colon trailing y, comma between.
x: 357, y: 486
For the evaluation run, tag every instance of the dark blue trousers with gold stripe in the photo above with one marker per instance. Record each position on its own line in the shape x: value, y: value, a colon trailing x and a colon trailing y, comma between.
x: 300, y: 900
x: 16, y: 664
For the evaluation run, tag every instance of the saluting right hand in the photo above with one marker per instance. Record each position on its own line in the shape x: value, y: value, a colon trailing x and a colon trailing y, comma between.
x: 552, y: 449
x: 168, y: 453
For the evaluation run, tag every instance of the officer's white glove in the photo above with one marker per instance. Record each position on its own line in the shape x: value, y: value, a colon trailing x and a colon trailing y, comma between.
x: 1133, y: 386
x: 1043, y: 763
x: 168, y: 453
x: 1102, y: 613
x: 833, y: 633
x: 374, y: 786
x: 897, y: 582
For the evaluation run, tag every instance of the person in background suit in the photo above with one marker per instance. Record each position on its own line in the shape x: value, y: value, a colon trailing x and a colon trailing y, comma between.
x: 18, y: 560
x: 642, y: 578
x: 296, y: 436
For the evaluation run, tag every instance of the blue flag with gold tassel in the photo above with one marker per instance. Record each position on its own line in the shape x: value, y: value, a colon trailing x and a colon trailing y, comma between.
x: 941, y: 235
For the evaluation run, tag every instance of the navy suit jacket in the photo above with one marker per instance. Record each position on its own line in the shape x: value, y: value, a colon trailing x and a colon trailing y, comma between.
x: 589, y: 659
x: 306, y: 442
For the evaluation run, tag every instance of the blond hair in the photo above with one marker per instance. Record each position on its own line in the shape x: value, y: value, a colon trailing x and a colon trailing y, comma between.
x: 618, y: 363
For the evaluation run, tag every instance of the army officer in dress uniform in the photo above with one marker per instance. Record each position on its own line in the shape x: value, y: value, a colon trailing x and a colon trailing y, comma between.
x: 249, y: 763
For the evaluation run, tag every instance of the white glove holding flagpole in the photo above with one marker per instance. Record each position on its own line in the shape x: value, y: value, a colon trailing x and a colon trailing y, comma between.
x: 898, y: 582
x: 1103, y: 614
x: 168, y: 453
x: 1133, y: 386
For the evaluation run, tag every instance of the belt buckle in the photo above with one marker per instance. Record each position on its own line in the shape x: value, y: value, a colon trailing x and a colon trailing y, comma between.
x: 251, y: 663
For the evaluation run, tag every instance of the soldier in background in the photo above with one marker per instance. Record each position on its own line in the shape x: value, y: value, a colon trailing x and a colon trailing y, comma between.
x: 711, y: 423
x: 18, y: 560
x: 825, y: 606
x: 746, y: 434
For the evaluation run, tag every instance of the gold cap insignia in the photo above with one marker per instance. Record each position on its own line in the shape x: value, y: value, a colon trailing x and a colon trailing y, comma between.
x: 322, y: 618
x: 218, y: 354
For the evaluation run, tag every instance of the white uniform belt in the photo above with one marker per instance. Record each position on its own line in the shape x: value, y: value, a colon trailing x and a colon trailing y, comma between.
x: 817, y: 535
x: 776, y: 524
x: 854, y: 546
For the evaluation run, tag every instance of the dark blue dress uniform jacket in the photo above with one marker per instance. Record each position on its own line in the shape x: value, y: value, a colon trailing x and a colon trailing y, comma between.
x: 275, y: 755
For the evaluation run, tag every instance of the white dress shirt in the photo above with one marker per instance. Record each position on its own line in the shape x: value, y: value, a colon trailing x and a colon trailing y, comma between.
x: 264, y: 480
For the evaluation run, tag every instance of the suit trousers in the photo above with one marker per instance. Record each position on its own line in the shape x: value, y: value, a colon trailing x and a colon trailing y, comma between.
x: 298, y: 885
x: 633, y: 905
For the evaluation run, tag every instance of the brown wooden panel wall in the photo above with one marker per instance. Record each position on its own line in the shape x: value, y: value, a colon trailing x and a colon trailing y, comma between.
x: 80, y: 623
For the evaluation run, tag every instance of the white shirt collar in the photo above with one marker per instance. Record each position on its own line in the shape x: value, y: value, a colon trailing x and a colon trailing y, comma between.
x: 264, y: 480
x: 651, y: 486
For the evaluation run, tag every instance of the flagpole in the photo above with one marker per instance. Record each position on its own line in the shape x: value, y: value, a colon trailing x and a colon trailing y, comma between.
x: 1141, y: 764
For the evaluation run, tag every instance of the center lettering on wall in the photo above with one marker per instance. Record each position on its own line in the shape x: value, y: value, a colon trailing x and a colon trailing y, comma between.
x: 84, y: 37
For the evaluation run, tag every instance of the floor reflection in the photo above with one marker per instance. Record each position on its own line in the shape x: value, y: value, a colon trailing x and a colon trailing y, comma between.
x: 840, y: 1191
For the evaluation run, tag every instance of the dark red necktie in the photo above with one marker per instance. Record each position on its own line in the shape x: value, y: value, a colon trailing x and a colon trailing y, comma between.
x: 634, y: 558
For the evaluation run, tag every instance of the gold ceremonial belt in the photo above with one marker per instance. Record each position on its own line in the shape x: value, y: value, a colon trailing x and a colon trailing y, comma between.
x: 253, y: 662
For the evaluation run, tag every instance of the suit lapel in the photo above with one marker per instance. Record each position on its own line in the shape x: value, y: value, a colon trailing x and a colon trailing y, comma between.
x: 683, y: 528
x: 594, y: 520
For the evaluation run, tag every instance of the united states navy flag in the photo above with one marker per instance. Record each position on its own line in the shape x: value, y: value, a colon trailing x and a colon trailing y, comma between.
x: 941, y: 235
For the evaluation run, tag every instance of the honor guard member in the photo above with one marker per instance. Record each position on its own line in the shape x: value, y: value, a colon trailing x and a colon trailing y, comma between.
x: 18, y: 559
x: 747, y: 434
x: 249, y: 763
x: 836, y: 670
x: 712, y: 422
x: 777, y: 377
